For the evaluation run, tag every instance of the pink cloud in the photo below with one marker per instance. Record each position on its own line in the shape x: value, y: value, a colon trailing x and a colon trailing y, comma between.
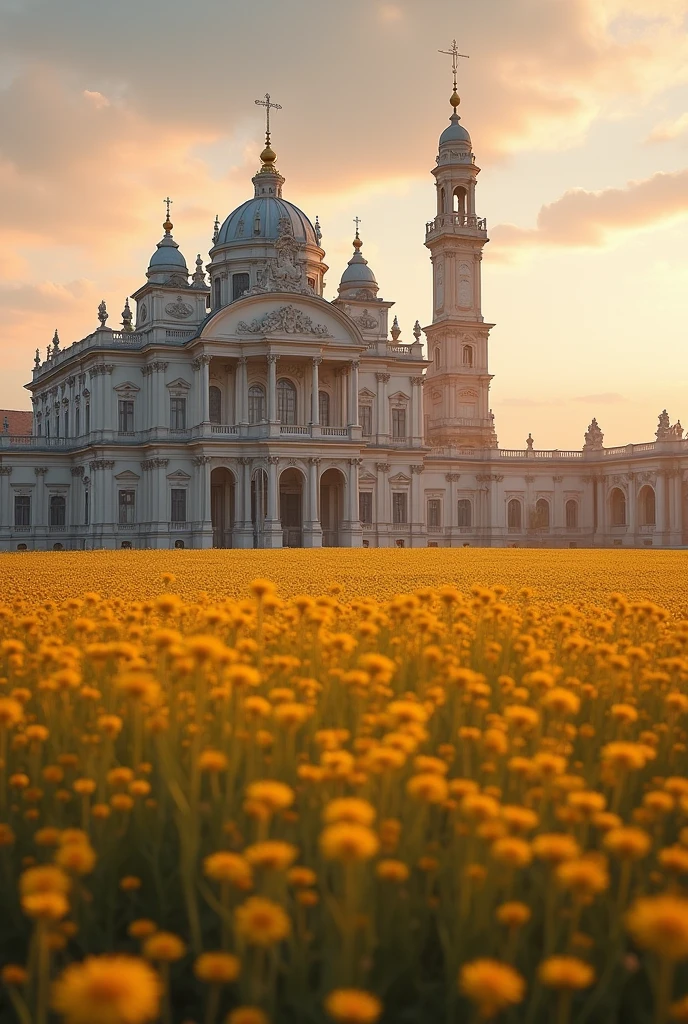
x: 592, y: 219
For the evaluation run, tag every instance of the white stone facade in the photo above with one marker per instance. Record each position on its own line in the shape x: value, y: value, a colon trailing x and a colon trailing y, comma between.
x: 251, y: 412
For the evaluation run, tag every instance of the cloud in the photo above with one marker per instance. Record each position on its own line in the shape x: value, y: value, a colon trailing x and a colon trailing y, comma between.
x: 667, y: 131
x: 605, y: 397
x: 582, y: 219
x: 389, y: 13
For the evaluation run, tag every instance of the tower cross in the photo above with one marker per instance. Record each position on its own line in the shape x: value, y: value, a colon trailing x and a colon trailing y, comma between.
x: 268, y: 107
x: 357, y: 222
x: 454, y: 54
x: 167, y: 203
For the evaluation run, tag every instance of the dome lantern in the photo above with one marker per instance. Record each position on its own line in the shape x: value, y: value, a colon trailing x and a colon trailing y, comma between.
x: 358, y: 277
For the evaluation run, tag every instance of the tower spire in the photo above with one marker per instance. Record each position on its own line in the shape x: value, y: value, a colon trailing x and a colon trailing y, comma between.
x: 455, y: 99
x: 168, y: 225
x: 268, y: 156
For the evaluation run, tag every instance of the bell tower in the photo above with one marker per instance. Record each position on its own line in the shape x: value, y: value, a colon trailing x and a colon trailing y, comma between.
x: 456, y: 395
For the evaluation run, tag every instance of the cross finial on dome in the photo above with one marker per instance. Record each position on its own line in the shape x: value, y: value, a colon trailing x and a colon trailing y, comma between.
x: 168, y: 225
x: 357, y: 240
x: 268, y: 156
x: 455, y: 55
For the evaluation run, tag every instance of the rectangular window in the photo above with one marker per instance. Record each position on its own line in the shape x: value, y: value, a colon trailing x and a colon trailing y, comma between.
x: 178, y: 413
x: 178, y: 504
x: 77, y: 422
x: 126, y: 417
x: 57, y: 425
x: 399, y: 423
x: 240, y: 284
x: 217, y: 293
x: 464, y: 513
x: 40, y: 429
x: 47, y: 426
x: 22, y: 510
x: 365, y: 506
x: 127, y: 500
x: 434, y: 512
x: 87, y: 508
x: 365, y: 418
x: 88, y: 418
x: 66, y: 423
x: 399, y: 509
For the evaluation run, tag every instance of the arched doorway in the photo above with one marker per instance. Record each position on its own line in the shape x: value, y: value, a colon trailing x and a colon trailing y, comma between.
x: 646, y: 506
x: 617, y: 505
x: 291, y: 508
x: 222, y: 491
x: 331, y: 507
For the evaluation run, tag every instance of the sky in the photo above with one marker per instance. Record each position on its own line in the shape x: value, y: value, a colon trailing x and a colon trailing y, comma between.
x: 577, y: 113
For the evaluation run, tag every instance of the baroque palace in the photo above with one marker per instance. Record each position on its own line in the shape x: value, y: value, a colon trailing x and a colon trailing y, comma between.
x: 248, y: 411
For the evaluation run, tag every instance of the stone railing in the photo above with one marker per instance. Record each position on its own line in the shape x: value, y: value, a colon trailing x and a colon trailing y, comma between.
x: 456, y: 222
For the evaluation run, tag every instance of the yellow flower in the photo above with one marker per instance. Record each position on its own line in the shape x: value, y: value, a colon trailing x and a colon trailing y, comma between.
x: 555, y: 847
x: 217, y: 968
x: 353, y: 1006
x: 14, y: 974
x: 164, y: 946
x: 512, y: 852
x: 627, y: 843
x: 347, y: 842
x: 247, y: 1015
x: 271, y: 854
x: 47, y: 906
x: 428, y: 787
x: 142, y: 928
x: 213, y: 761
x: 351, y: 809
x: 392, y: 870
x: 585, y: 876
x: 260, y: 922
x: 228, y: 867
x: 77, y: 858
x: 109, y: 990
x: 565, y: 972
x: 276, y: 796
x: 44, y: 879
x: 660, y: 924
x: 11, y: 712
x: 491, y: 985
x: 513, y: 914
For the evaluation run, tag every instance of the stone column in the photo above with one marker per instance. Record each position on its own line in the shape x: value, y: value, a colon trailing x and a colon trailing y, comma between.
x: 496, y: 523
x: 204, y: 537
x: 557, y: 517
x: 660, y: 505
x: 110, y: 488
x: 241, y: 391
x: 75, y: 492
x: 416, y: 412
x: 40, y: 519
x: 205, y: 388
x: 272, y: 387
x: 312, y: 534
x: 675, y: 531
x: 315, y: 388
x: 382, y: 409
x: 601, y: 516
x: 6, y: 513
x: 631, y: 516
x: 353, y: 394
x: 273, y: 489
x: 451, y: 513
x: 353, y: 533
x: 382, y: 502
x: 417, y: 519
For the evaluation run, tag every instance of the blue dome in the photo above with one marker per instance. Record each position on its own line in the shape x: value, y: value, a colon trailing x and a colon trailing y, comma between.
x: 265, y: 214
x: 167, y: 257
x: 358, y: 272
x: 455, y: 132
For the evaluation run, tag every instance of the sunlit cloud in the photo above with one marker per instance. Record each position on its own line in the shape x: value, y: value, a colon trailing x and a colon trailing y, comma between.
x: 667, y: 131
x: 582, y: 219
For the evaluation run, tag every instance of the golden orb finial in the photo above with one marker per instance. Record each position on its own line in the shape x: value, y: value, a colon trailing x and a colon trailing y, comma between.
x: 268, y: 156
x: 455, y: 99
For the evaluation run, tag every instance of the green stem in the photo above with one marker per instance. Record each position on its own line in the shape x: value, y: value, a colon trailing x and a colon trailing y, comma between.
x: 212, y: 1005
x: 665, y: 983
x: 43, y: 970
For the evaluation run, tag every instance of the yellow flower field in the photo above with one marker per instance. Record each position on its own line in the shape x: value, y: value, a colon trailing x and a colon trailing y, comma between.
x: 413, y: 787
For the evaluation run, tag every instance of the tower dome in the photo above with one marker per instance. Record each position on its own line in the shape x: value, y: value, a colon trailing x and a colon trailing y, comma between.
x: 358, y: 276
x: 167, y: 260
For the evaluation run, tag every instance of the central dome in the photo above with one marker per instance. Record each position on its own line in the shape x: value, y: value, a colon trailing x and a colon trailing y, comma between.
x: 259, y: 218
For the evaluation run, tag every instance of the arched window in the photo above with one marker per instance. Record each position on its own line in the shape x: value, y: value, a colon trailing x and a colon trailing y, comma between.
x: 467, y: 356
x: 179, y: 543
x: 465, y: 513
x: 617, y: 503
x: 542, y: 514
x: 324, y: 408
x: 572, y: 514
x: 646, y: 506
x: 58, y: 510
x: 215, y: 403
x: 442, y: 201
x: 438, y: 357
x: 459, y: 198
x: 513, y: 514
x: 286, y: 401
x: 256, y: 403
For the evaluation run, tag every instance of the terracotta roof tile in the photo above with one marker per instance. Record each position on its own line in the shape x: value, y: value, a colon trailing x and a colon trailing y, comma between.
x: 20, y: 421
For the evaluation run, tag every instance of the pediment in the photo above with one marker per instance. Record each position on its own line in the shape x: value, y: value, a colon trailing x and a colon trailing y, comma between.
x: 400, y: 478
x: 400, y: 396
x: 366, y: 393
x: 127, y: 474
x: 179, y: 474
x: 282, y: 316
x: 367, y: 478
x: 180, y: 383
x: 127, y: 386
